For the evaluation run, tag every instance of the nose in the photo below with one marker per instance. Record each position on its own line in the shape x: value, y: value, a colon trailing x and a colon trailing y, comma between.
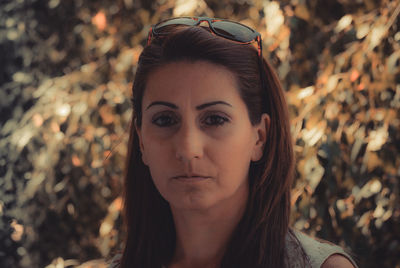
x: 188, y: 143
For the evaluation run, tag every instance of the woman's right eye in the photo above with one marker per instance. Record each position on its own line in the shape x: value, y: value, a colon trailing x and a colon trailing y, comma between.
x: 164, y: 121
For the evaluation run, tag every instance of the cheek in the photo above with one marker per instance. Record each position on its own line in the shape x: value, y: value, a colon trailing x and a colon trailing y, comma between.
x: 154, y: 142
x: 233, y: 154
x: 158, y: 156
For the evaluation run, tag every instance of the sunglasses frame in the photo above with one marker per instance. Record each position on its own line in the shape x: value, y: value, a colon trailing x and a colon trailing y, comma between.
x: 257, y: 36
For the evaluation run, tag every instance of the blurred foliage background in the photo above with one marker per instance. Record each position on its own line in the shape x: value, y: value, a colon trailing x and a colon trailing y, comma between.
x: 65, y: 79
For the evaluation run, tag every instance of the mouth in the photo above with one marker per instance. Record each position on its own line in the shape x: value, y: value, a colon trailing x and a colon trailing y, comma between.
x: 194, y: 177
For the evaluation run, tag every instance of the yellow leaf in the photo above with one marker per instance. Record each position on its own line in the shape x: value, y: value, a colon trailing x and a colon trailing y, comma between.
x: 305, y: 92
x: 362, y: 30
x: 76, y: 161
x: 301, y: 11
x: 354, y: 75
x: 376, y: 36
x: 100, y: 20
x: 343, y: 23
x: 106, y: 114
x: 273, y: 17
x: 377, y: 138
x: 188, y: 7
x: 18, y: 230
x: 37, y: 120
x: 313, y: 172
x: 373, y: 161
x: 63, y: 110
x: 331, y: 83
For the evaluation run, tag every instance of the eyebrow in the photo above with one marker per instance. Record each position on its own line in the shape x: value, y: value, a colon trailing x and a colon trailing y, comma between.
x: 199, y: 107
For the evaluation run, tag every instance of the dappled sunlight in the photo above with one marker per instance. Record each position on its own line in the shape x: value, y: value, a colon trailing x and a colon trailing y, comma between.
x: 65, y: 110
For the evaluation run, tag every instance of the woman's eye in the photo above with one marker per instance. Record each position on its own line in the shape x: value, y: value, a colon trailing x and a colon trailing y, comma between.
x: 164, y: 121
x: 215, y: 120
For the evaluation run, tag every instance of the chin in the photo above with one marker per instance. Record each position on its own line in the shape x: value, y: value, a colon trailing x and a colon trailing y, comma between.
x: 193, y: 202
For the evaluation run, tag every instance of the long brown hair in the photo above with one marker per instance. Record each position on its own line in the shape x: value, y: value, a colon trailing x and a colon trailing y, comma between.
x: 259, y: 238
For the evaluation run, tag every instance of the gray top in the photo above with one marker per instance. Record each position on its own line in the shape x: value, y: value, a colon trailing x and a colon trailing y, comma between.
x: 316, y: 252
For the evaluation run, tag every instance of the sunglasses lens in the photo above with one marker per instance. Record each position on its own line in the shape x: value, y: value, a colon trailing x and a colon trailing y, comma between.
x: 174, y: 22
x: 234, y: 31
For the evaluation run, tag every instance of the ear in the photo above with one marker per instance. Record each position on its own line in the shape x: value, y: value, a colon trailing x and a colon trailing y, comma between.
x: 261, y: 133
x: 139, y: 133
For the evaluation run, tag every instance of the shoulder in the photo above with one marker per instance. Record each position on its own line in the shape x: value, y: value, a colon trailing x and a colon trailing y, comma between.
x: 320, y: 253
x: 337, y: 261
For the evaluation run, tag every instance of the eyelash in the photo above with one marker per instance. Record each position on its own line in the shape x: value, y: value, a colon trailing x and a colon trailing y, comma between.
x: 217, y: 120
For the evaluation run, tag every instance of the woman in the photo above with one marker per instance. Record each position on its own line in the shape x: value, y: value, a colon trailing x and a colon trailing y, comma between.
x: 210, y: 161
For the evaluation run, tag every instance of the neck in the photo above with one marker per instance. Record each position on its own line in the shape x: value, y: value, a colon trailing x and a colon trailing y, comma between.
x: 203, y: 235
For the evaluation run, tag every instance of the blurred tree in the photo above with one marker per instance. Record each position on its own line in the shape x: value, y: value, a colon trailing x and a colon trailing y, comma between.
x: 64, y: 110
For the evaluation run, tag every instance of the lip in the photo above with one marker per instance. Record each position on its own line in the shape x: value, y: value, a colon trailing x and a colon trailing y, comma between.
x: 194, y: 177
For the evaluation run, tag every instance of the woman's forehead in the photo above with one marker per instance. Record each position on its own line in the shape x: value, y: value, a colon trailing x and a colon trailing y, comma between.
x: 184, y: 81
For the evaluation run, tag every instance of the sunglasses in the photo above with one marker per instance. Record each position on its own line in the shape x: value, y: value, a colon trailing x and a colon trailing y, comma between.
x: 231, y: 30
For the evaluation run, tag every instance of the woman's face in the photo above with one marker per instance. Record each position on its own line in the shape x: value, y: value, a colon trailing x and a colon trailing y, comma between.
x: 196, y: 136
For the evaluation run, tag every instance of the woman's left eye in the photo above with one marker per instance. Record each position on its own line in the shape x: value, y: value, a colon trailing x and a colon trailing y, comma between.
x: 215, y: 120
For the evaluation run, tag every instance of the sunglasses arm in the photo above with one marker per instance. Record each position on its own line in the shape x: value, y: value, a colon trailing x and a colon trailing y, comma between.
x: 259, y: 46
x: 149, y: 36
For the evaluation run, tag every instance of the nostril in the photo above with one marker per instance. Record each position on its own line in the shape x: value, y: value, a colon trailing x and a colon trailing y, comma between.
x: 187, y: 156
